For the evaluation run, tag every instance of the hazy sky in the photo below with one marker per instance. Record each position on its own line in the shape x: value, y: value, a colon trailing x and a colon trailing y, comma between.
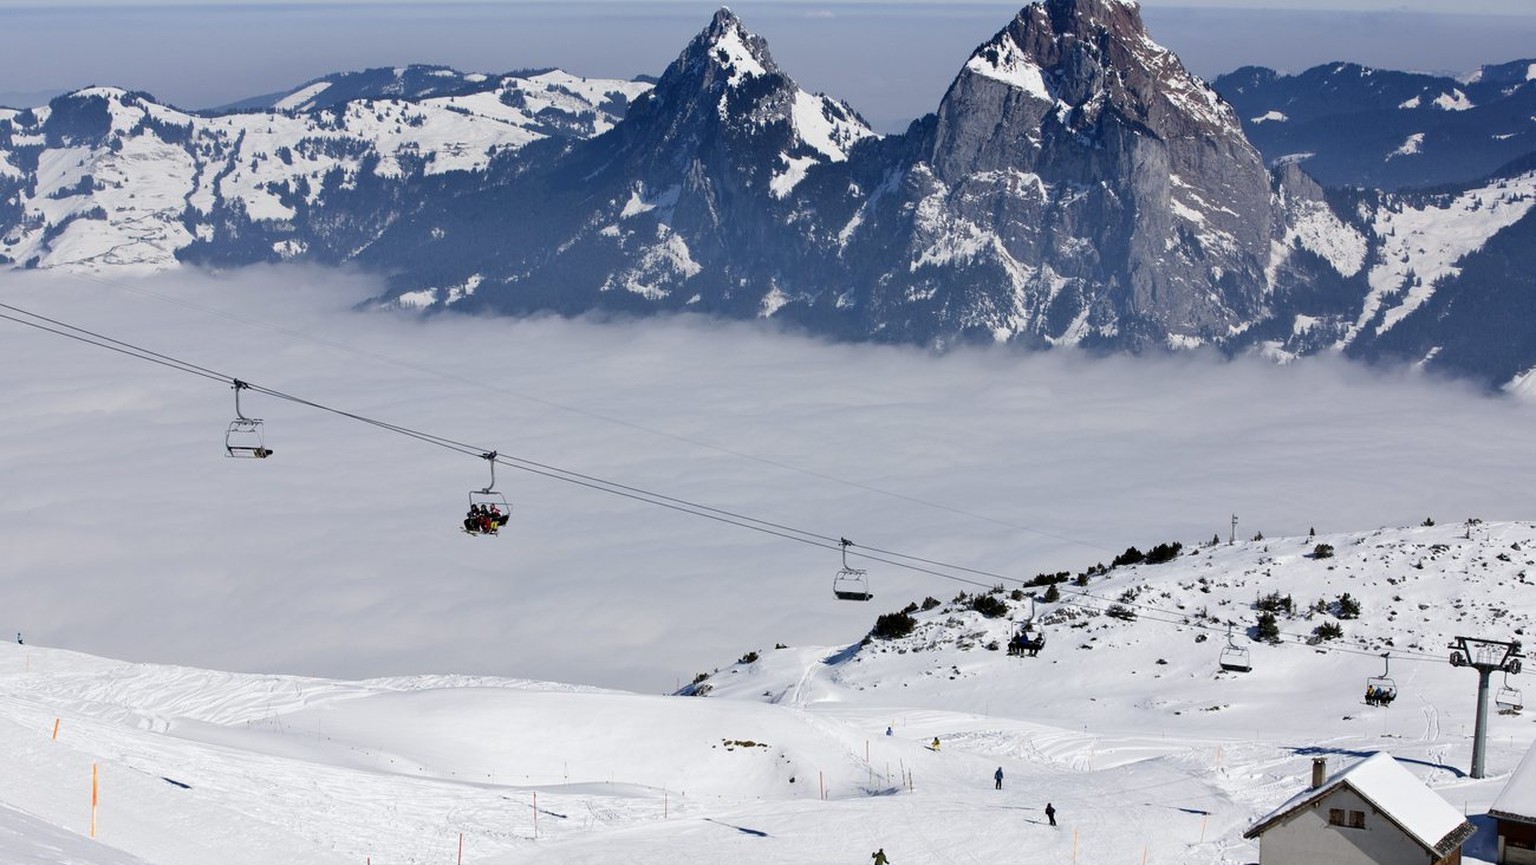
x: 127, y: 533
x: 892, y: 61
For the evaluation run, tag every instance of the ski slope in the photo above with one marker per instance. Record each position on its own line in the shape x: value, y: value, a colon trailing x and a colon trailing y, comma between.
x: 1129, y: 727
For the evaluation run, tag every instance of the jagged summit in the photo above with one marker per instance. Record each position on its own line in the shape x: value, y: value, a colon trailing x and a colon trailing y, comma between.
x: 725, y: 53
x: 725, y: 101
x: 1068, y: 62
x: 1072, y: 121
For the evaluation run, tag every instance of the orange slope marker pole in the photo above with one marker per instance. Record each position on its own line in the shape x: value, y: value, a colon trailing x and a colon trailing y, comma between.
x: 55, y: 729
x: 95, y: 788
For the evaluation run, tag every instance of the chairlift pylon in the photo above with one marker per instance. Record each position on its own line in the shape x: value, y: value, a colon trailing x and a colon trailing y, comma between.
x: 488, y: 509
x: 244, y: 439
x: 1381, y: 690
x: 1509, y: 700
x: 850, y: 584
x: 1234, y: 658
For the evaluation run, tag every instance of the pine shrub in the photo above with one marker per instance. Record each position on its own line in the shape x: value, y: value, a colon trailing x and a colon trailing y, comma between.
x: 990, y: 606
x: 1131, y: 556
x: 1269, y: 628
x: 890, y: 626
x: 1349, y: 608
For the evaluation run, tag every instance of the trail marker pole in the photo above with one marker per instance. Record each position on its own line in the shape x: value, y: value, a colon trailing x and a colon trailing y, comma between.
x: 461, y: 848
x: 95, y: 787
x: 535, y: 815
x: 55, y: 729
x: 1203, y: 820
x: 1074, y: 844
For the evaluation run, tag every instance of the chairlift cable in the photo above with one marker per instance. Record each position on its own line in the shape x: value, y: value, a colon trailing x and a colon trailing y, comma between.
x: 917, y: 564
x: 244, y: 319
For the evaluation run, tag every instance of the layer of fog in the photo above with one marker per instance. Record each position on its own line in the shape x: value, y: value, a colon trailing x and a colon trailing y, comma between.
x: 891, y: 61
x: 128, y: 533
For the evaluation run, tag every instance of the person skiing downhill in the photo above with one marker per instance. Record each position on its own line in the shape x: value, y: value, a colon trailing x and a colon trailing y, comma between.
x: 1050, y: 813
x: 998, y: 777
x: 879, y: 857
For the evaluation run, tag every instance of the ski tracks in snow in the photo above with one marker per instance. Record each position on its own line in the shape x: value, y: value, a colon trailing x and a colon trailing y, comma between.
x: 1431, y: 721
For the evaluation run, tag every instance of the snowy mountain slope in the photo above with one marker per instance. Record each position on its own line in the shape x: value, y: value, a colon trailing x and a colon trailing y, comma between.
x: 1440, y: 273
x: 105, y: 178
x: 681, y: 205
x: 804, y: 754
x: 1352, y: 125
x: 1076, y: 187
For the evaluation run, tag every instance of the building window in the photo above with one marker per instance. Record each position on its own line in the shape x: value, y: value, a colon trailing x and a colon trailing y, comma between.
x: 1351, y: 819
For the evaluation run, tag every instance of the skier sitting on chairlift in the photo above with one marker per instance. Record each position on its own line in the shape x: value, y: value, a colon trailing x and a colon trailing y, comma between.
x: 480, y: 521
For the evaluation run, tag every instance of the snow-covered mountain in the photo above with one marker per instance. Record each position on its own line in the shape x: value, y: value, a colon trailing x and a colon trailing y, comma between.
x: 106, y: 178
x: 1076, y: 187
x: 1351, y: 125
x: 686, y: 204
x: 1125, y: 721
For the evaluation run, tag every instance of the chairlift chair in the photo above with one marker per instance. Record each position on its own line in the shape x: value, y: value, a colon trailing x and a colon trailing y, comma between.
x: 1234, y: 658
x: 850, y: 584
x: 244, y: 438
x: 488, y: 509
x: 1509, y: 700
x: 1381, y: 690
x: 1027, y: 638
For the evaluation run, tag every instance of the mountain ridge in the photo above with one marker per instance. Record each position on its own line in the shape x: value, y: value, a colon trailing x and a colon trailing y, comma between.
x: 1075, y: 187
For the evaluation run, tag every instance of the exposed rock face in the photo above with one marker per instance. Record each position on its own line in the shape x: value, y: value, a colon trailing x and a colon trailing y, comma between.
x: 681, y: 205
x: 1077, y: 186
x: 1108, y: 173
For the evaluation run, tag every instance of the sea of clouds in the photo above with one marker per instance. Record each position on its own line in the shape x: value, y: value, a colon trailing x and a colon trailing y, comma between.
x: 127, y: 532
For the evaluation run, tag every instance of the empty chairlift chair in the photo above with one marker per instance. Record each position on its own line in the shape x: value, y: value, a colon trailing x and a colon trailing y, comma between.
x: 850, y: 584
x: 244, y: 438
x: 1234, y: 658
x: 1509, y: 700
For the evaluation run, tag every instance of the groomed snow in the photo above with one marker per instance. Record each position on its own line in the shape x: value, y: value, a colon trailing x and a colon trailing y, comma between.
x: 1128, y: 727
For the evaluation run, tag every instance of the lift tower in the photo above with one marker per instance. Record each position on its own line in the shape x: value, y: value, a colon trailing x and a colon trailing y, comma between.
x: 1486, y: 657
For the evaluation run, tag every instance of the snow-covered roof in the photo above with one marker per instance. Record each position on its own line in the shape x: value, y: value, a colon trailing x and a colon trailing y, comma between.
x: 1518, y: 801
x: 1394, y: 791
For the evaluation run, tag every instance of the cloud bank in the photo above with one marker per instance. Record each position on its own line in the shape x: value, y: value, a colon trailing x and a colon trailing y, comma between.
x: 129, y: 534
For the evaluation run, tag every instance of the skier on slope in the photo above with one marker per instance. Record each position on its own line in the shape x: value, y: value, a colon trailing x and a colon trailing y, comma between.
x: 879, y: 857
x: 1050, y: 813
x: 998, y: 777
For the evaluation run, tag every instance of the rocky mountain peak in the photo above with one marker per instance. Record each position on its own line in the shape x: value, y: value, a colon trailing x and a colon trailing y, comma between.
x: 1074, y: 95
x: 726, y: 53
x: 725, y: 103
x: 1070, y: 61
